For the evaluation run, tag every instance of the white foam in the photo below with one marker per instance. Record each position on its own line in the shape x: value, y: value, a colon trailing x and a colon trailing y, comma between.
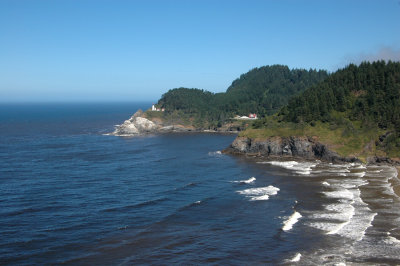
x: 337, y: 228
x: 260, y: 193
x: 349, y: 216
x: 393, y: 173
x: 382, y: 181
x: 375, y: 171
x: 344, y: 170
x: 326, y: 184
x: 324, y: 226
x: 248, y: 181
x: 371, y: 218
x: 263, y: 197
x: 361, y: 166
x: 302, y: 168
x: 345, y: 165
x: 360, y: 174
x: 352, y: 219
x: 198, y: 202
x: 339, y: 194
x: 392, y: 240
x: 353, y: 183
x: 340, y: 207
x: 305, y: 172
x: 296, y: 258
x: 339, y: 212
x: 293, y: 219
x: 270, y: 190
x: 214, y: 153
x: 389, y: 190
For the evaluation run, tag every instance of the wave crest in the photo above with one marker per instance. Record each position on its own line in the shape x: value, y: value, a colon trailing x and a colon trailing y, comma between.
x: 260, y: 193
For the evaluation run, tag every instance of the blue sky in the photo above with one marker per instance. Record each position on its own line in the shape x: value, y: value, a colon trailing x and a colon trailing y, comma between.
x: 69, y: 50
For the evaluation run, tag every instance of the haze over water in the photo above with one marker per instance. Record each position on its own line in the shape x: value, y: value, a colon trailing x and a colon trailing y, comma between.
x: 70, y: 194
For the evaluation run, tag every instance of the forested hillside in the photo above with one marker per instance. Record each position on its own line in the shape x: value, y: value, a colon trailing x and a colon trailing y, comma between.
x: 356, y: 110
x: 262, y: 90
x: 266, y: 89
x: 369, y: 92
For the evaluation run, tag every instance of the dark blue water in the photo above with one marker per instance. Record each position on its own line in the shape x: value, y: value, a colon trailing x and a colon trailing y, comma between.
x: 69, y: 194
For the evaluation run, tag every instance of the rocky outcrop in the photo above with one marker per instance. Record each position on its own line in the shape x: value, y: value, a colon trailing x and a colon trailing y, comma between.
x: 303, y: 147
x: 135, y: 125
x: 383, y: 160
x: 138, y: 124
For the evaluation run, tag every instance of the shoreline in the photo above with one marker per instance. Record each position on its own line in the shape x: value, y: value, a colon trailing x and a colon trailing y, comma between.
x: 396, y: 187
x: 160, y: 133
x: 257, y: 157
x: 324, y: 154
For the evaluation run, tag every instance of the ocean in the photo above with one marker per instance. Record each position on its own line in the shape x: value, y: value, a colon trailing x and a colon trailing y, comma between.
x: 70, y: 194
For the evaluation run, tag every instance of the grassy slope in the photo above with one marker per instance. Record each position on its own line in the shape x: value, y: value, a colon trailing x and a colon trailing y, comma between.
x: 172, y: 118
x: 347, y: 139
x: 180, y: 118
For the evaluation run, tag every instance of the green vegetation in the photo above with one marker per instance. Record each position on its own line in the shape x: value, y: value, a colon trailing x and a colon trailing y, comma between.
x: 262, y: 91
x: 369, y: 93
x: 356, y: 111
x: 266, y: 89
x: 345, y: 137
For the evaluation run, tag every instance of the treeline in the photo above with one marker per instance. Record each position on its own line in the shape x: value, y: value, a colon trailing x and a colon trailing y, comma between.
x: 369, y: 93
x: 262, y: 90
x: 266, y: 89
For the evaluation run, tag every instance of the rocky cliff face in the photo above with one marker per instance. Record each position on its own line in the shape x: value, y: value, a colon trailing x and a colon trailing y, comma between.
x: 303, y: 147
x: 139, y: 125
x: 135, y: 125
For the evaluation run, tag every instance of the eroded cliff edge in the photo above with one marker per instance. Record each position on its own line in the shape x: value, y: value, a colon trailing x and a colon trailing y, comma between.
x: 138, y: 124
x: 296, y: 147
x: 141, y: 124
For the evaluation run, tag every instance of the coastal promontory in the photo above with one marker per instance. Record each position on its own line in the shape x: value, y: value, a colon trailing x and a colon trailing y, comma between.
x: 350, y: 115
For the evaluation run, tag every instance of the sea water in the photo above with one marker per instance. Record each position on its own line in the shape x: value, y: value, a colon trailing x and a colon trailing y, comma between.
x: 71, y: 194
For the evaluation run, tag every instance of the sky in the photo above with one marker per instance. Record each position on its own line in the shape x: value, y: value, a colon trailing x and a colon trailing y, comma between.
x: 96, y: 50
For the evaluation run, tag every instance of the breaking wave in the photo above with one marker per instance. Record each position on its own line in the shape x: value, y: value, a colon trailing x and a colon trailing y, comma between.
x: 302, y: 168
x: 296, y: 258
x: 261, y: 193
x: 215, y: 153
x: 248, y: 181
x: 326, y: 184
x: 349, y: 216
x: 293, y: 219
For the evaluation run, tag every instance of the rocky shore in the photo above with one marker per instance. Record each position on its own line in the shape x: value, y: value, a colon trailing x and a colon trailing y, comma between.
x: 139, y: 124
x: 283, y: 147
x: 296, y: 147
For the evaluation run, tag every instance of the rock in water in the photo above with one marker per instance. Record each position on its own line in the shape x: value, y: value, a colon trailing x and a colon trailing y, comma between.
x: 135, y: 125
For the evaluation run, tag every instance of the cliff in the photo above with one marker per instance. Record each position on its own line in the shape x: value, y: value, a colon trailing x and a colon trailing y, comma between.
x: 297, y: 147
x: 142, y: 123
x: 138, y: 124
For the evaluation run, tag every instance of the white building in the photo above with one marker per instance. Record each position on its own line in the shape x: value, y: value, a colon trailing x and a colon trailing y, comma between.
x: 153, y: 108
